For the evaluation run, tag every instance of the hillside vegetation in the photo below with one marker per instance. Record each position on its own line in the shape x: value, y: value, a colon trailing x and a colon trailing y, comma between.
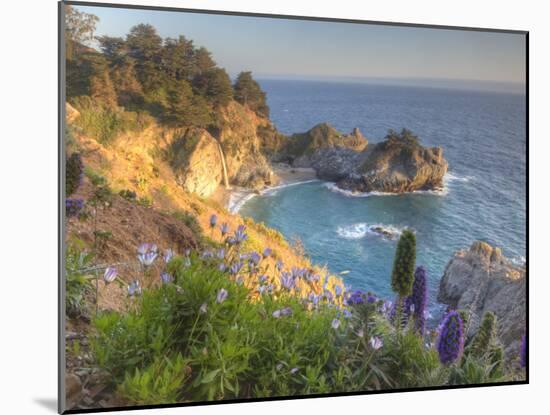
x: 170, y: 297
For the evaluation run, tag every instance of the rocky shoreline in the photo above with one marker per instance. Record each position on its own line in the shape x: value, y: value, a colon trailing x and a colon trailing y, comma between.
x: 480, y: 279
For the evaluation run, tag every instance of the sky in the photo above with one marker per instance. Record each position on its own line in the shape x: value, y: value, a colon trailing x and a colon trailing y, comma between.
x: 300, y: 49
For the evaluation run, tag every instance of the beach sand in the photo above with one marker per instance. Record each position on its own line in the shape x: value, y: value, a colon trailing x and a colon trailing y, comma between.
x: 235, y: 197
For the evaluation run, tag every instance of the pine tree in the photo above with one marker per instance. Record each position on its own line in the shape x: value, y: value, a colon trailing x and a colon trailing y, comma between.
x: 249, y: 93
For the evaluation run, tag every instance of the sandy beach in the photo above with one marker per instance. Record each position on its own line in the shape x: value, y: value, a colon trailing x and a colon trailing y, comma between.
x: 235, y: 197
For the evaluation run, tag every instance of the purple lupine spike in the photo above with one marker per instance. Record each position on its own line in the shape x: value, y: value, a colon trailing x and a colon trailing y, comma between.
x: 450, y: 343
x: 267, y: 252
x: 419, y: 298
x: 357, y: 297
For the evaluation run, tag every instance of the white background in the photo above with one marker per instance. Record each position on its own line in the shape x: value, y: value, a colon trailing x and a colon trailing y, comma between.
x: 28, y: 234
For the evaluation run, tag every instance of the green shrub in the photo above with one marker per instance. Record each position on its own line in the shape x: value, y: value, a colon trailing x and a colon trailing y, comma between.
x: 95, y: 178
x: 74, y: 171
x: 128, y: 195
x: 104, y: 123
x: 159, y: 383
x: 78, y: 280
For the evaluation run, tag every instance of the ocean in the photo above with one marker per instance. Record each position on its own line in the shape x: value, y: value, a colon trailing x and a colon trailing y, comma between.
x: 483, y: 139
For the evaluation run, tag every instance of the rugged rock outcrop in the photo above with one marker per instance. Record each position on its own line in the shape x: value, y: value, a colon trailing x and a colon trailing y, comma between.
x: 481, y: 279
x: 311, y: 147
x: 231, y: 154
x: 398, y: 164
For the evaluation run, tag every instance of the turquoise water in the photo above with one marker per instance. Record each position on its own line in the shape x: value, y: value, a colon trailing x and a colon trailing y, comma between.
x: 483, y: 138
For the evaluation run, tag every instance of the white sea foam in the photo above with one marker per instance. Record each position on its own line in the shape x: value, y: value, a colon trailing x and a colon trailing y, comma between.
x: 518, y: 261
x: 238, y: 198
x: 349, y: 193
x: 450, y: 177
x: 274, y: 189
x: 360, y: 230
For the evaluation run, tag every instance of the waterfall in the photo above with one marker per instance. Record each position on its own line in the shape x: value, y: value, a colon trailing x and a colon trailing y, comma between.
x: 225, y: 179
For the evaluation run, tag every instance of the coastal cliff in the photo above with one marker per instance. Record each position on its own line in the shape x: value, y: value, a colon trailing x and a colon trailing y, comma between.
x: 396, y: 165
x: 481, y: 279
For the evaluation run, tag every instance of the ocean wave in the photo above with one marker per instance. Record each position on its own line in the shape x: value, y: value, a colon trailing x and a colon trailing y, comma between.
x: 237, y: 199
x: 349, y: 193
x: 450, y: 177
x: 274, y: 189
x: 519, y: 260
x: 360, y: 230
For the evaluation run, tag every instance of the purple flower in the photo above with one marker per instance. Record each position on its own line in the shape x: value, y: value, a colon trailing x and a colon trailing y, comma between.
x: 371, y: 298
x: 294, y: 370
x: 222, y: 267
x: 328, y: 295
x: 357, y: 297
x: 240, y: 234
x: 338, y: 290
x: 523, y: 352
x: 222, y: 295
x: 346, y: 313
x: 134, y: 288
x: 287, y: 311
x: 147, y: 253
x: 279, y: 265
x: 73, y: 206
x: 262, y: 279
x: 335, y: 323
x: 213, y: 221
x: 168, y: 255
x: 276, y: 313
x: 287, y: 281
x: 267, y: 252
x: 165, y: 278
x: 110, y: 274
x: 376, y: 343
x: 224, y: 228
x: 419, y: 298
x: 221, y: 254
x: 255, y: 258
x: 450, y: 343
x: 236, y: 267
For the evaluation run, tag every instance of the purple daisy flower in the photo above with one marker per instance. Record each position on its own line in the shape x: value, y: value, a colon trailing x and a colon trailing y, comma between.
x: 110, y: 274
x: 222, y: 296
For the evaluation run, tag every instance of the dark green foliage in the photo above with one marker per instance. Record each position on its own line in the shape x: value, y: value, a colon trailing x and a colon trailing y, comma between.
x: 78, y: 280
x: 145, y: 47
x: 474, y: 371
x: 249, y: 93
x: 158, y: 383
x: 79, y: 28
x: 128, y: 195
x: 215, y: 85
x: 485, y: 336
x: 74, y: 171
x: 186, y: 108
x: 404, y: 263
x: 178, y: 58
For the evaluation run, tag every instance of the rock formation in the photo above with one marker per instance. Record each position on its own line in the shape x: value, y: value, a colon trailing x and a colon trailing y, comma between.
x: 398, y: 164
x: 481, y: 279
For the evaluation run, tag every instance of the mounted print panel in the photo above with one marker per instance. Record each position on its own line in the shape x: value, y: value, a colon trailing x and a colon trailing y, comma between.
x: 260, y: 207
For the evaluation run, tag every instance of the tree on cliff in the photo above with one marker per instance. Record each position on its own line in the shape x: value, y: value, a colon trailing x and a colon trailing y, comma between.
x: 186, y: 108
x: 79, y: 28
x: 145, y: 47
x: 215, y: 86
x: 249, y: 93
